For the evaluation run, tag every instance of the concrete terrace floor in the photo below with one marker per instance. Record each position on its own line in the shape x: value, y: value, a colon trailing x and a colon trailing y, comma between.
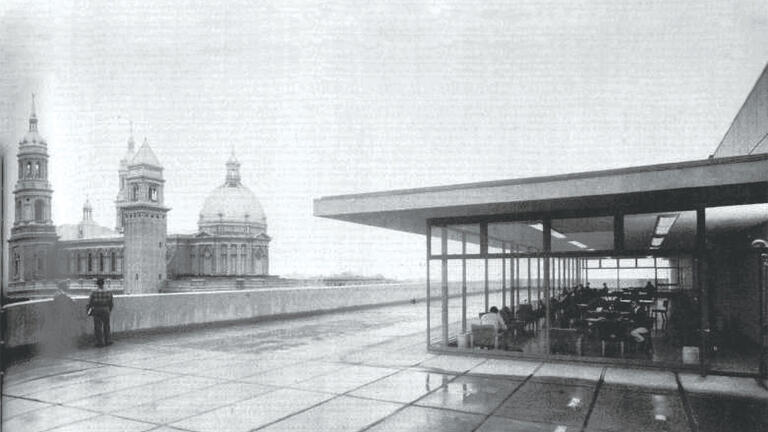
x: 366, y: 370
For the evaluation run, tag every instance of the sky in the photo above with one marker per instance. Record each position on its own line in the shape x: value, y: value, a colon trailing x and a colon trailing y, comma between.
x: 337, y: 97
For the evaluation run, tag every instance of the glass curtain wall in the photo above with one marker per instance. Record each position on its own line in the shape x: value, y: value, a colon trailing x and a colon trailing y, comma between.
x: 493, y: 269
x: 627, y: 287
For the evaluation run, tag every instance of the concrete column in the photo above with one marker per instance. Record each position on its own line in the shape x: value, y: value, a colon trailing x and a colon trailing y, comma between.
x: 503, y: 277
x: 547, y: 248
x: 444, y: 284
x: 463, y: 283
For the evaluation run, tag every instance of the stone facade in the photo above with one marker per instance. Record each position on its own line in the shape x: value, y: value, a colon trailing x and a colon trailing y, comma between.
x: 138, y: 256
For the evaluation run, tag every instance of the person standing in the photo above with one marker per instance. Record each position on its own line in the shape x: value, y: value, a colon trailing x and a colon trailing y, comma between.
x: 99, y: 307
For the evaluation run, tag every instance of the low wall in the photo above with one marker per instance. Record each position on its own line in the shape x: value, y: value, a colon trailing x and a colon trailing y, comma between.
x: 48, y: 321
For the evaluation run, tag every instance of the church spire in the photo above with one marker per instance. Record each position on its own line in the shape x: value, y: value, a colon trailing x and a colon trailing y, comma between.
x: 33, y: 117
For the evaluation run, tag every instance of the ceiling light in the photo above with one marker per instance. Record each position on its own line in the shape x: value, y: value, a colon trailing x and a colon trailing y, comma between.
x: 578, y: 244
x: 656, y: 242
x: 540, y: 227
x: 664, y: 224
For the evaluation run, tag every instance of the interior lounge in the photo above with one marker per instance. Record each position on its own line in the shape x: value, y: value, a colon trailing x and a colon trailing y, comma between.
x: 640, y: 287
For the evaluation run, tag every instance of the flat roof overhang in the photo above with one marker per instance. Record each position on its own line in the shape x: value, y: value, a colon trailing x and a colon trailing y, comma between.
x: 644, y: 189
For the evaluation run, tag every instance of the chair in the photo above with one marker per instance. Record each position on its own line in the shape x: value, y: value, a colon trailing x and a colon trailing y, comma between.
x: 565, y: 341
x: 484, y: 336
x: 612, y: 332
x: 663, y: 313
x: 527, y: 315
x: 513, y: 325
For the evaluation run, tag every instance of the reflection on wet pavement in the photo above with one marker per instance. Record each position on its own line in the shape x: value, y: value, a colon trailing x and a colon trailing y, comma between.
x: 362, y: 370
x: 549, y: 403
x: 617, y: 406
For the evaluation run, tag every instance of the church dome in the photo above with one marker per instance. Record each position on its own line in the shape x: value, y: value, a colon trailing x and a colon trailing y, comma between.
x: 232, y: 204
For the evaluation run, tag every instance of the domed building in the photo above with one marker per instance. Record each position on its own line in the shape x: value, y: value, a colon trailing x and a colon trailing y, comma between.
x: 229, y: 251
x: 232, y: 208
x: 232, y: 235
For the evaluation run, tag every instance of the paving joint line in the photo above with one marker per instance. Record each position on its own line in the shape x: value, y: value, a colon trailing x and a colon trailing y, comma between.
x: 198, y: 413
x: 693, y: 424
x: 414, y: 403
x: 509, y: 396
x: 594, y: 398
x: 347, y: 393
x: 336, y: 396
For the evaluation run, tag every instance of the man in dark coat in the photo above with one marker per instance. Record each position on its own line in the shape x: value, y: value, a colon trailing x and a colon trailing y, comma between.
x: 100, y: 305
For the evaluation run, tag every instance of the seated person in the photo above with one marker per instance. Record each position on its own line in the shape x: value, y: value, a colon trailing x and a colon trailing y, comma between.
x: 640, y: 325
x: 494, y: 318
x: 650, y: 289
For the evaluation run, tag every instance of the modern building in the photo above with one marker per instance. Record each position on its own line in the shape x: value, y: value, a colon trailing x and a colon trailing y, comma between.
x: 694, y: 230
x: 138, y: 256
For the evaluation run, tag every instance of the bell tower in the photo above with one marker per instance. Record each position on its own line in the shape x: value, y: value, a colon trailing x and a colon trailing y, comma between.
x: 33, y: 235
x: 144, y: 224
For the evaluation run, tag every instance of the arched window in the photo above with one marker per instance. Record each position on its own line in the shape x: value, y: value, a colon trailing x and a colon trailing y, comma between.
x: 16, y: 265
x: 101, y: 262
x: 39, y: 211
x: 207, y: 262
x: 135, y: 193
x: 90, y: 262
x: 29, y: 170
x: 243, y: 262
x: 18, y: 211
x: 113, y: 262
x: 152, y: 194
x: 38, y: 174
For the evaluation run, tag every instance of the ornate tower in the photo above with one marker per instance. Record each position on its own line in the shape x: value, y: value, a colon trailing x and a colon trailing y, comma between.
x: 122, y: 194
x: 33, y: 235
x: 144, y: 224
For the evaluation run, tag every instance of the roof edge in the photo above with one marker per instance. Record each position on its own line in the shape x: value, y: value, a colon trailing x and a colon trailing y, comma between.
x: 559, y: 177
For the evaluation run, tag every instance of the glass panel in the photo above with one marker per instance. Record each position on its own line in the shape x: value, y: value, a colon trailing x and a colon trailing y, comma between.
x: 464, y: 233
x: 660, y: 231
x: 523, y: 236
x: 495, y: 283
x: 435, y: 303
x: 456, y: 327
x: 645, y: 262
x: 582, y: 234
x: 627, y: 263
x: 436, y: 244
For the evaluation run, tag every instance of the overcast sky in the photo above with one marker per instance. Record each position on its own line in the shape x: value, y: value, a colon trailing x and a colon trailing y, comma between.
x: 325, y: 98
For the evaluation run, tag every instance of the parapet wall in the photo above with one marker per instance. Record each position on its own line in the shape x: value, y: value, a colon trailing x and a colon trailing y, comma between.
x: 46, y: 321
